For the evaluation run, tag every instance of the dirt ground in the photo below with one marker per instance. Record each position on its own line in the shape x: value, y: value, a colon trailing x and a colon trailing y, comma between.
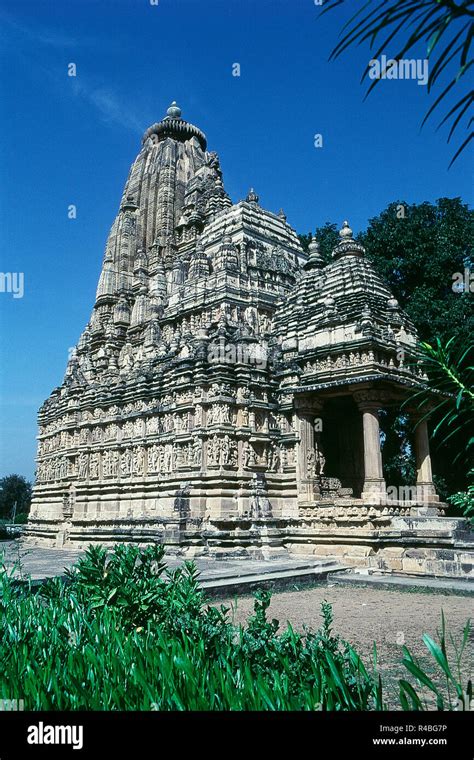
x: 364, y: 615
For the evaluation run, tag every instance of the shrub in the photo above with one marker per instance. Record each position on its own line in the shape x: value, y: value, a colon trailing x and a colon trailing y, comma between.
x: 464, y: 500
x: 21, y: 519
x: 125, y: 633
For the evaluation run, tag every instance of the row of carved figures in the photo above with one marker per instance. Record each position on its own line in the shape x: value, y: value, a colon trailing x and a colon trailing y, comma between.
x: 353, y: 358
x: 176, y: 422
x: 165, y: 458
x: 105, y: 320
x: 194, y: 395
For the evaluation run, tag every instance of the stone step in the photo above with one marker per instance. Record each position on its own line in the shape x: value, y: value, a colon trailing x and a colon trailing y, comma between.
x: 440, y: 585
x: 240, y: 569
x: 277, y: 579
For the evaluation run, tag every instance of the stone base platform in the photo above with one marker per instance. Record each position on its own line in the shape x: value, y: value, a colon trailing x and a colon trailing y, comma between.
x: 415, y: 541
x: 218, y: 577
x: 412, y: 545
x: 225, y: 577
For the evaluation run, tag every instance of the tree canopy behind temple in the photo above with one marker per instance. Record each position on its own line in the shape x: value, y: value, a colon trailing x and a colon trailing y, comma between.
x: 418, y: 255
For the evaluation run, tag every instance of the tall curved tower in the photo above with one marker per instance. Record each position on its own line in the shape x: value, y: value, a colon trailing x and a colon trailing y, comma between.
x: 169, y: 383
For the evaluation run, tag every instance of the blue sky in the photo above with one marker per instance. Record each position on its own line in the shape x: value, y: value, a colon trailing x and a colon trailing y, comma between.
x: 71, y: 141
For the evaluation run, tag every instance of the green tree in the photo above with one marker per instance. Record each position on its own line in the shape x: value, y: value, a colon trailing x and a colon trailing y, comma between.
x: 14, y: 490
x: 305, y: 240
x: 418, y: 249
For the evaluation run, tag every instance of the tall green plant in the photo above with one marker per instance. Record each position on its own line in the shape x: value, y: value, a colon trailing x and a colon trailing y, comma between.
x: 453, y: 696
x: 448, y: 393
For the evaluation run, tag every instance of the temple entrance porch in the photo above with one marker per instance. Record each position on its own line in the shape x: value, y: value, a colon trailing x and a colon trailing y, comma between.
x: 339, y: 451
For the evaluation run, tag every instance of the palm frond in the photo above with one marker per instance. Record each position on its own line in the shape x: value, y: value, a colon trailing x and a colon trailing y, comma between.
x: 430, y: 20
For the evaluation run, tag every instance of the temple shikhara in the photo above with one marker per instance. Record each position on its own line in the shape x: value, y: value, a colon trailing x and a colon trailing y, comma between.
x: 227, y: 395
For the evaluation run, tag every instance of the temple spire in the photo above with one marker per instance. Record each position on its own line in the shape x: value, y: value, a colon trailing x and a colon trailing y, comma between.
x: 174, y: 126
x: 347, y: 244
x: 174, y: 111
x: 315, y: 259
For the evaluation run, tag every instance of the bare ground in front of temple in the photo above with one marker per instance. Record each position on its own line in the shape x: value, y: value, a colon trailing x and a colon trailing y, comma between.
x: 365, y: 615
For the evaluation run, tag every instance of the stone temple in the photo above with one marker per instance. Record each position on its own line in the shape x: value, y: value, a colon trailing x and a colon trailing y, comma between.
x: 225, y: 396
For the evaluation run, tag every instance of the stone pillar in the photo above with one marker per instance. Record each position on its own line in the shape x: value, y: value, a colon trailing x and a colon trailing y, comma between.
x: 425, y: 489
x: 308, y: 487
x: 374, y: 489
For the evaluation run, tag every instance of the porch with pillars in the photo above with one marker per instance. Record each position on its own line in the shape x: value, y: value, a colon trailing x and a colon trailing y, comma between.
x: 340, y: 440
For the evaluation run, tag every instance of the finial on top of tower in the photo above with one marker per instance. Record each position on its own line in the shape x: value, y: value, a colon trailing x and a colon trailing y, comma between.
x: 252, y: 197
x: 347, y: 245
x: 345, y: 233
x: 174, y: 126
x: 315, y: 259
x: 174, y: 111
